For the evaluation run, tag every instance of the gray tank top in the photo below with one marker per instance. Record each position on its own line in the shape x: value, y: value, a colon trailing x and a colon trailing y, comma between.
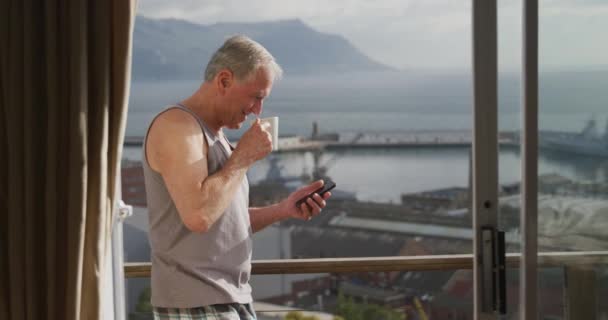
x: 192, y: 269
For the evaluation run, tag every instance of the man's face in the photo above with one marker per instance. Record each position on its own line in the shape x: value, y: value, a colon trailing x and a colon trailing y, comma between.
x: 246, y: 97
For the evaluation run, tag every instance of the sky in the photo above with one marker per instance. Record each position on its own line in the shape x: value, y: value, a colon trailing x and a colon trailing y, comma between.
x: 421, y: 34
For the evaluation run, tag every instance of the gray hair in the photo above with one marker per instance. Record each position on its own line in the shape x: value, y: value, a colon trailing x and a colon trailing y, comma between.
x: 243, y: 57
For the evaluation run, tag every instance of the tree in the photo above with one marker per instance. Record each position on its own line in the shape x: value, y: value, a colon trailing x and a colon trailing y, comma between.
x: 297, y: 315
x: 143, y: 302
x: 347, y: 309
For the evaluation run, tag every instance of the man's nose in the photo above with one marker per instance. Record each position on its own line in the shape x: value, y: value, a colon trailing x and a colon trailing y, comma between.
x: 257, y: 108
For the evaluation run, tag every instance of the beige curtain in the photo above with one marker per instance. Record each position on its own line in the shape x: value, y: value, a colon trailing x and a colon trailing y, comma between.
x: 65, y: 71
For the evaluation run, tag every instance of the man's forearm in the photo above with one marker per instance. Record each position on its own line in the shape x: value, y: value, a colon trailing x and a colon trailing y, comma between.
x: 264, y: 216
x: 218, y: 190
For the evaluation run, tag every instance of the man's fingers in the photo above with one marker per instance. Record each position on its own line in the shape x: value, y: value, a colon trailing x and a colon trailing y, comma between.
x: 316, y: 208
x: 313, y: 205
x: 312, y: 187
x: 320, y: 201
x: 305, y: 210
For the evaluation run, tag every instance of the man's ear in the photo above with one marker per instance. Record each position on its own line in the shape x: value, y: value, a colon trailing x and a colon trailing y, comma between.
x: 224, y: 80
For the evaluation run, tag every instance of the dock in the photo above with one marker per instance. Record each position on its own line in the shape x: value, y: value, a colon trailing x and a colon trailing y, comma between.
x: 369, y: 140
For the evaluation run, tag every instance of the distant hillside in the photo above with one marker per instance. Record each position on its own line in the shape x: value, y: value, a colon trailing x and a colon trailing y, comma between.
x: 176, y: 49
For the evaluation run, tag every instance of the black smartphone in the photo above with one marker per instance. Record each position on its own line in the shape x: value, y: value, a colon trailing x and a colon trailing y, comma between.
x: 328, y: 185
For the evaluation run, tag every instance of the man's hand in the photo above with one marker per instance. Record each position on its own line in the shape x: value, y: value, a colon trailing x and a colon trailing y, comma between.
x: 255, y: 144
x: 308, y: 209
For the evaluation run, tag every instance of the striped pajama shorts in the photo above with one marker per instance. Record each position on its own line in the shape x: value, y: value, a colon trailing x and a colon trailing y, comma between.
x: 229, y: 311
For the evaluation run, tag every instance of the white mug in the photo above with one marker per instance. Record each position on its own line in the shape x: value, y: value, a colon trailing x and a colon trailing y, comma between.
x: 273, y: 129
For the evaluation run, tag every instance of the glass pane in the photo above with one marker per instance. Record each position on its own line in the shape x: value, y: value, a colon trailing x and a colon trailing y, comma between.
x: 551, y: 302
x: 509, y: 120
x: 383, y: 87
x: 439, y: 294
x: 395, y: 125
x: 572, y: 180
x: 509, y: 124
x: 367, y: 296
x: 137, y: 296
x: 364, y: 296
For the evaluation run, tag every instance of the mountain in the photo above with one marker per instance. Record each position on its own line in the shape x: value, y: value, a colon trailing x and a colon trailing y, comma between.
x: 176, y: 49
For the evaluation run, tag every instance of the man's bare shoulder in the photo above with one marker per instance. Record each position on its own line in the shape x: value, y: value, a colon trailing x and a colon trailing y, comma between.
x: 173, y: 132
x: 176, y: 120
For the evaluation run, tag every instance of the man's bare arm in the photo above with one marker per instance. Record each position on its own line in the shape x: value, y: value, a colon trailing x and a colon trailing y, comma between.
x: 176, y: 149
x: 262, y: 217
